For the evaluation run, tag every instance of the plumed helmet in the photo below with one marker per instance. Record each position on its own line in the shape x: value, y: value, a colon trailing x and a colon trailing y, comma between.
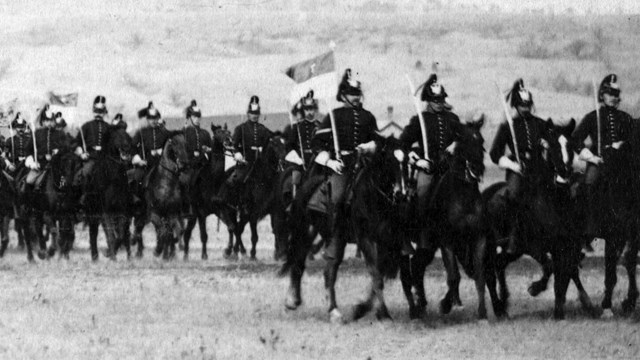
x: 519, y: 95
x: 254, y: 105
x: 100, y: 105
x: 348, y: 86
x: 193, y: 110
x: 432, y: 90
x: 45, y: 114
x: 308, y: 102
x: 150, y: 112
x: 60, y: 122
x: 19, y: 122
x: 609, y: 85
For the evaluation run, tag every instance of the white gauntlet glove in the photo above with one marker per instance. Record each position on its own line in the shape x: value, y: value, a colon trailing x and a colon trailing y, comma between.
x: 335, y: 165
x: 367, y: 148
x: 508, y: 164
x: 399, y: 154
x: 588, y: 156
x: 137, y: 160
x: 294, y: 158
x: 425, y: 165
x: 238, y: 157
x: 31, y: 163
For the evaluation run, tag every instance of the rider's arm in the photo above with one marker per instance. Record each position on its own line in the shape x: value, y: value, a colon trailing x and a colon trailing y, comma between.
x: 585, y: 129
x: 499, y: 142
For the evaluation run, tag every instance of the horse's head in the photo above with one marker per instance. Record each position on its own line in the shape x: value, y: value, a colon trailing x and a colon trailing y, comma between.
x: 469, y: 154
x: 175, y: 152
x: 64, y: 167
x: 560, y: 152
x: 222, y: 140
x: 119, y: 144
x: 387, y: 173
x: 275, y: 152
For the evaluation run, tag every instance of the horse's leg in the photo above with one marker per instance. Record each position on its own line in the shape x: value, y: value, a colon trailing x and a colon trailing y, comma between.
x: 585, y: 300
x: 453, y: 280
x: 35, y: 226
x: 376, y: 291
x: 157, y: 224
x: 139, y: 222
x: 630, y: 262
x: 419, y: 262
x: 229, y: 249
x: 19, y: 228
x: 301, y: 241
x: 563, y: 271
x: 4, y: 237
x: 253, y: 225
x: 191, y: 223
x: 52, y: 225
x: 93, y: 236
x: 125, y: 233
x: 109, y: 224
x: 66, y: 234
x: 547, y: 270
x: 407, y: 282
x: 331, y: 276
x: 502, y: 260
x: 479, y: 262
x: 239, y: 246
x: 204, y: 237
x: 610, y: 276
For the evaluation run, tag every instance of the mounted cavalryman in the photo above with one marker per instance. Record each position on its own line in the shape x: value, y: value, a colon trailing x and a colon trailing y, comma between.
x: 19, y: 148
x: 443, y: 132
x: 357, y: 133
x: 609, y: 144
x: 148, y: 142
x: 524, y: 164
x: 91, y: 141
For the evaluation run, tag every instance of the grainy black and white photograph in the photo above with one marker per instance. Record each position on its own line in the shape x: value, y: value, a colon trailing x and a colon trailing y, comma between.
x: 319, y: 179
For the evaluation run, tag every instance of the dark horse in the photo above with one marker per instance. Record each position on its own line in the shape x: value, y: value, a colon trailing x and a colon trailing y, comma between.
x: 541, y: 231
x: 207, y: 187
x: 256, y: 195
x: 374, y: 219
x: 109, y: 200
x: 54, y: 203
x: 9, y: 209
x: 456, y: 225
x: 165, y: 196
x: 617, y: 195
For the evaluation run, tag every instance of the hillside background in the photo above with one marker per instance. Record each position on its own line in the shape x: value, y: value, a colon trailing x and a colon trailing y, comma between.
x: 222, y: 52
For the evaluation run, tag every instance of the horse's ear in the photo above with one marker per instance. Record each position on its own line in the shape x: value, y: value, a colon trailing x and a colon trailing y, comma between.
x: 571, y: 126
x: 225, y: 126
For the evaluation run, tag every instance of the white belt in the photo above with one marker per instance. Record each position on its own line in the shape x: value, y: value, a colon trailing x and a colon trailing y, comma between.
x: 156, y: 152
x: 21, y: 158
x: 259, y: 148
x: 196, y: 153
x: 97, y: 148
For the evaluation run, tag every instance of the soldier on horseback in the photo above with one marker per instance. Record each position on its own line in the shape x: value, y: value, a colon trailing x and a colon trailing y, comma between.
x: 443, y: 132
x: 198, y: 142
x: 49, y: 142
x: 18, y: 148
x: 90, y: 143
x: 609, y: 130
x: 298, y: 137
x: 524, y: 164
x: 118, y: 123
x: 356, y: 133
x: 249, y: 139
x: 148, y: 142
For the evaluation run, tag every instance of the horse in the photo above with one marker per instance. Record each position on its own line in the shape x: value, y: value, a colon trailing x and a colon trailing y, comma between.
x: 372, y: 220
x: 54, y: 204
x: 617, y: 193
x: 256, y: 195
x: 203, y: 197
x: 456, y: 225
x: 165, y: 196
x: 541, y: 229
x: 9, y: 209
x: 109, y: 200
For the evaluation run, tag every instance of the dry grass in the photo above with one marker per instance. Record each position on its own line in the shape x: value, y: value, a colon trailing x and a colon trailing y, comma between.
x: 224, y: 309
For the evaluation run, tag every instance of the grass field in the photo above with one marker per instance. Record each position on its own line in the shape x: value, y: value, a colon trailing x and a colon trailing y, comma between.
x: 219, y: 309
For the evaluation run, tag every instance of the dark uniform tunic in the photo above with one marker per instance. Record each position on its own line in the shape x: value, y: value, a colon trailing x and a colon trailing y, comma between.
x: 306, y: 128
x: 198, y: 143
x: 19, y: 147
x: 354, y: 126
x: 148, y: 143
x: 443, y: 128
x: 529, y: 134
x: 94, y: 133
x: 48, y: 140
x: 250, y: 138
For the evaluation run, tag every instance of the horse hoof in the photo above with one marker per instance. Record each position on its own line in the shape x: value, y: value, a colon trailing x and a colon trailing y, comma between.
x: 416, y: 312
x: 383, y: 315
x: 535, y: 289
x: 335, y: 317
x: 139, y: 254
x: 558, y: 314
x: 185, y: 257
x: 458, y: 307
x: 31, y: 259
x: 445, y: 306
x: 226, y: 253
x: 205, y: 256
x: 628, y: 306
x: 292, y: 303
x: 42, y: 255
x: 606, y: 314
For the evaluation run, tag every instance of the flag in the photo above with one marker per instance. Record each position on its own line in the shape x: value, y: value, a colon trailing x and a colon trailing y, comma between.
x: 317, y: 74
x: 8, y: 111
x: 68, y: 100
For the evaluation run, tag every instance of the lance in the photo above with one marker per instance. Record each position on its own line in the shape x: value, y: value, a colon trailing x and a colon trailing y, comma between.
x: 598, y: 121
x: 13, y: 147
x: 334, y: 133
x: 304, y: 166
x: 509, y: 122
x: 423, y: 128
x: 35, y: 147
